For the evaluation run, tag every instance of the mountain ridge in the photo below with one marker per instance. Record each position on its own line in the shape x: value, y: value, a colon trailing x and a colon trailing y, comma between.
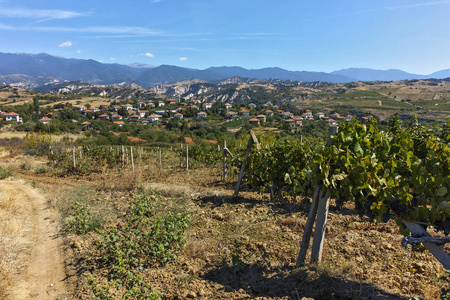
x: 43, y: 65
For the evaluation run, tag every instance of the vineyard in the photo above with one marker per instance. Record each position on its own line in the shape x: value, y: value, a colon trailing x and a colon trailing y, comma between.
x: 128, y: 232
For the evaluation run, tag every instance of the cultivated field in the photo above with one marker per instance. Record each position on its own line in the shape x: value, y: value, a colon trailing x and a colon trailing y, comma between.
x: 235, y: 248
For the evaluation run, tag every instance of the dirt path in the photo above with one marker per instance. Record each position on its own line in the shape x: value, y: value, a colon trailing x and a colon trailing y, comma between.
x: 39, y: 271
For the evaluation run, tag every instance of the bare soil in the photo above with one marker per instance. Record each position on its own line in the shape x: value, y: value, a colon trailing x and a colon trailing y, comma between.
x: 236, y: 248
x: 39, y: 265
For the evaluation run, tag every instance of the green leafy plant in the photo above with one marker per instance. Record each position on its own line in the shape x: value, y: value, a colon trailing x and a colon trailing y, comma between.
x: 5, y: 173
x: 84, y: 220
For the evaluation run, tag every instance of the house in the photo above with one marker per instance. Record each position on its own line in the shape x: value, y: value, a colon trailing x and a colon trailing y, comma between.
x: 140, y: 104
x: 154, y: 118
x: 348, y: 118
x: 287, y: 114
x: 127, y: 106
x: 207, y: 105
x: 261, y: 118
x: 254, y: 122
x: 103, y: 117
x: 178, y: 115
x: 120, y: 123
x: 269, y: 113
x: 150, y: 104
x: 144, y: 122
x: 201, y: 115
x: 192, y: 106
x: 320, y: 115
x: 87, y: 125
x: 95, y: 109
x: 161, y: 103
x: 275, y: 107
x: 290, y: 122
x: 81, y: 108
x: 134, y: 118
x: 298, y: 121
x: 13, y: 117
x: 245, y: 113
x: 103, y: 106
x: 307, y: 115
x: 45, y: 120
x: 179, y: 110
x: 331, y: 122
x: 171, y: 101
x: 227, y: 106
x: 252, y: 106
x: 116, y: 117
x: 335, y: 115
x: 231, y: 115
x: 142, y: 113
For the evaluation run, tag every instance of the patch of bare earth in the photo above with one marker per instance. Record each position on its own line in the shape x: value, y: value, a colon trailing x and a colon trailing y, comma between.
x: 31, y: 259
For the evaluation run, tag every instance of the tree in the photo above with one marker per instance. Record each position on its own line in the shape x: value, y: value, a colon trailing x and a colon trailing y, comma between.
x: 36, y: 105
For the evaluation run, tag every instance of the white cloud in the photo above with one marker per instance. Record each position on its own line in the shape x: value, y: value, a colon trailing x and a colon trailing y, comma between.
x: 148, y: 54
x: 78, y: 51
x: 113, y: 58
x: 65, y: 44
x: 40, y: 13
x: 183, y: 58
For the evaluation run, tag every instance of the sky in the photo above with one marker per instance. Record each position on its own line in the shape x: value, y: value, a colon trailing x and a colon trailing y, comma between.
x: 297, y: 35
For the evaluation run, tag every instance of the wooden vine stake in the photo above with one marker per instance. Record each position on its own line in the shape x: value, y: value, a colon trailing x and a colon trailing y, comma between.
x: 225, y: 153
x: 132, y: 159
x: 319, y: 207
x: 73, y: 156
x: 187, y: 157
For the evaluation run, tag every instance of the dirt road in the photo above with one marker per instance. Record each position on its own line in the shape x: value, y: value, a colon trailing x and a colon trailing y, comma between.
x: 36, y: 253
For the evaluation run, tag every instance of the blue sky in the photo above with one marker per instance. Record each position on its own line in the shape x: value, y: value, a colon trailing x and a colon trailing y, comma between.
x: 296, y: 35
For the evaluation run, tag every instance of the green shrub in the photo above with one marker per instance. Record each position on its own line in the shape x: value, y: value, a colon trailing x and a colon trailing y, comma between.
x: 148, y: 235
x: 84, y: 220
x: 5, y: 173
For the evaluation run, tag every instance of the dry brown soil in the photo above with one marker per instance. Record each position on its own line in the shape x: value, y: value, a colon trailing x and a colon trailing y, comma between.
x: 38, y: 271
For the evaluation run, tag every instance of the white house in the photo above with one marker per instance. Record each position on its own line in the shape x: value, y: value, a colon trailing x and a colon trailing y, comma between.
x: 13, y: 117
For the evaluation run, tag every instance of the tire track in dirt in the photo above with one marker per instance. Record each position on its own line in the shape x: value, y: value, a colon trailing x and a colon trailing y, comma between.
x: 41, y: 275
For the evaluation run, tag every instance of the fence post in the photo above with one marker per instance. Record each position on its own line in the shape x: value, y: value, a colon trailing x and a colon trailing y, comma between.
x: 224, y: 157
x: 73, y: 156
x: 132, y: 159
x: 181, y: 156
x: 123, y: 156
x: 160, y: 161
x: 187, y: 157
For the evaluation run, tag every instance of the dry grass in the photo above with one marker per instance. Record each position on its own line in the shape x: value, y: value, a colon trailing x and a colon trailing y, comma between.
x: 13, y: 234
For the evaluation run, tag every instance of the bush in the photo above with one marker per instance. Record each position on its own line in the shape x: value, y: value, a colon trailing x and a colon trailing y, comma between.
x: 5, y: 173
x: 148, y: 235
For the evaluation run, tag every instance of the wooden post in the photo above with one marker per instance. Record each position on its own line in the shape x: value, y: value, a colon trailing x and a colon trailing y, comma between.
x: 123, y: 155
x: 160, y: 160
x: 308, y: 227
x: 319, y: 231
x: 321, y: 209
x: 438, y: 252
x: 181, y: 156
x: 73, y: 156
x: 251, y: 140
x: 187, y: 157
x: 126, y: 154
x: 224, y: 163
x: 132, y: 159
x: 81, y: 154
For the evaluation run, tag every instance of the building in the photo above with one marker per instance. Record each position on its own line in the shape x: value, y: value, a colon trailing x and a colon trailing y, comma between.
x: 207, y: 105
x: 127, y: 106
x: 134, y: 118
x: 178, y: 115
x: 261, y: 118
x: 320, y: 115
x: 103, y: 117
x: 13, y: 117
x: 201, y: 115
x: 45, y: 120
x: 116, y: 117
x: 245, y: 113
x: 231, y: 115
x: 269, y: 113
x: 154, y: 118
x: 252, y: 106
x: 254, y: 122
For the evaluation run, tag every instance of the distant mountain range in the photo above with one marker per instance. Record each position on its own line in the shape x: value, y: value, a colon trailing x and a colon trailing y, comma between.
x: 32, y: 70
